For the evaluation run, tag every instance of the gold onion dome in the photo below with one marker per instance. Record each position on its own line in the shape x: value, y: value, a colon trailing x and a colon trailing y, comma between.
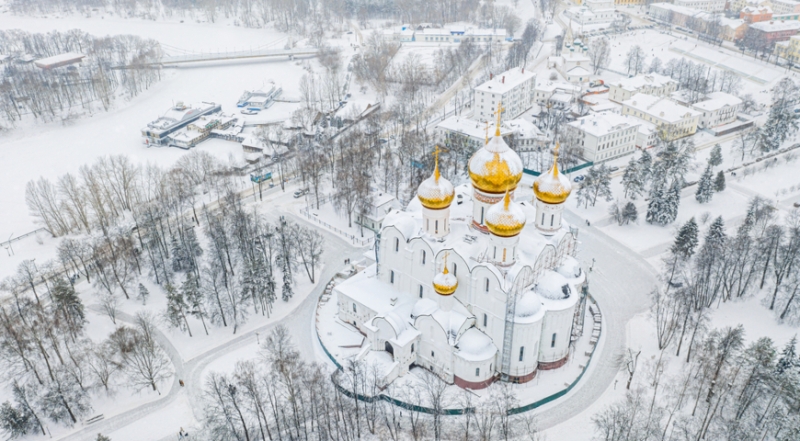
x: 445, y: 283
x: 494, y: 168
x: 436, y: 192
x: 552, y: 187
x: 505, y: 218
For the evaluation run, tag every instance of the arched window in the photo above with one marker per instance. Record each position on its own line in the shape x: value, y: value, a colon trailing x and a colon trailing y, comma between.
x: 455, y: 269
x: 420, y: 291
x: 477, y: 372
x: 553, y: 341
x: 481, y: 215
x: 487, y: 285
x: 412, y: 348
x: 396, y: 244
x: 423, y: 257
x: 354, y: 308
x: 521, y: 352
x: 552, y: 216
x: 436, y: 226
x: 391, y: 276
x: 485, y: 320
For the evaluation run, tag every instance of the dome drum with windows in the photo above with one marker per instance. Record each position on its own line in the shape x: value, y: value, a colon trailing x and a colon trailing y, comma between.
x: 552, y: 187
x: 495, y: 168
x: 436, y: 192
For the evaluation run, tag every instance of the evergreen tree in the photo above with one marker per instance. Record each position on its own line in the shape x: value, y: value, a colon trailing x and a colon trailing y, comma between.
x: 715, y: 237
x: 15, y: 422
x: 68, y: 305
x: 656, y: 205
x: 673, y: 201
x: 177, y: 308
x: 190, y: 290
x: 719, y: 182
x: 143, y: 294
x: 629, y: 213
x: 715, y: 158
x: 632, y: 180
x: 788, y: 359
x: 101, y: 437
x: 705, y: 187
x: 286, y: 291
x: 597, y: 183
x: 180, y: 260
x: 645, y: 162
x: 686, y: 241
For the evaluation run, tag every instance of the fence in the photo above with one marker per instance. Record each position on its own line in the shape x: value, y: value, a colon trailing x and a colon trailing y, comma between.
x: 462, y: 411
x: 18, y: 238
x: 352, y: 237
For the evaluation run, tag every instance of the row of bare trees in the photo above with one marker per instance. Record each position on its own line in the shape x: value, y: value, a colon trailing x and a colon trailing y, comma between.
x: 278, y: 396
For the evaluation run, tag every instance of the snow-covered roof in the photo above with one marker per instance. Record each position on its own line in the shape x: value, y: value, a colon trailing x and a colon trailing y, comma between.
x: 776, y: 26
x: 683, y: 10
x: 470, y: 127
x: 717, y: 100
x: 660, y: 107
x: 643, y: 80
x: 523, y: 128
x: 504, y: 82
x: 529, y: 308
x: 60, y: 59
x: 601, y: 124
x: 474, y: 345
x: 578, y: 71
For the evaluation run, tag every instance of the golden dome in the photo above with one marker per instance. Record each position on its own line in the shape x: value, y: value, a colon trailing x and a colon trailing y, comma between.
x: 494, y: 168
x: 552, y: 187
x: 445, y: 283
x: 505, y: 218
x: 436, y: 192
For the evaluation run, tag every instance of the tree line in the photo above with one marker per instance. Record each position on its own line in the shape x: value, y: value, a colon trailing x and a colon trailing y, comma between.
x: 49, y: 94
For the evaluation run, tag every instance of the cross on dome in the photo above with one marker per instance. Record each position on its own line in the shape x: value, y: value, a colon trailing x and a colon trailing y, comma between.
x: 500, y: 110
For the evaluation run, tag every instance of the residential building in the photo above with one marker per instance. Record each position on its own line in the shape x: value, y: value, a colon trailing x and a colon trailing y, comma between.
x: 717, y: 109
x: 514, y: 88
x: 473, y: 133
x: 646, y: 135
x: 674, y: 14
x: 550, y: 93
x: 651, y: 84
x: 785, y: 6
x: 629, y: 2
x: 702, y: 5
x: 773, y: 31
x: 732, y: 28
x: 790, y: 50
x: 755, y: 14
x: 382, y: 205
x: 605, y: 136
x: 669, y: 117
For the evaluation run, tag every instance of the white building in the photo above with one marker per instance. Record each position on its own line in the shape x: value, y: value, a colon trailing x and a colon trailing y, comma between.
x: 646, y: 135
x: 605, y: 136
x: 574, y: 63
x: 702, y: 5
x: 457, y: 129
x: 784, y: 6
x: 178, y: 116
x: 487, y: 288
x: 382, y: 205
x: 449, y: 34
x: 651, y: 84
x: 719, y: 108
x: 514, y: 88
x: 593, y: 12
x: 554, y: 93
x: 669, y: 117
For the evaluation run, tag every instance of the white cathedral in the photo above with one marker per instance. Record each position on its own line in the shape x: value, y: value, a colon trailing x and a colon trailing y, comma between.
x: 471, y: 290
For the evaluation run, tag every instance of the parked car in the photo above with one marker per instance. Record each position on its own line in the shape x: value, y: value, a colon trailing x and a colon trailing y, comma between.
x: 248, y: 112
x: 300, y: 193
x: 614, y: 168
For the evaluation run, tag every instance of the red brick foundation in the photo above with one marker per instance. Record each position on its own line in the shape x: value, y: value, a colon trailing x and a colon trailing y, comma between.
x: 474, y: 385
x: 553, y: 364
x: 523, y: 378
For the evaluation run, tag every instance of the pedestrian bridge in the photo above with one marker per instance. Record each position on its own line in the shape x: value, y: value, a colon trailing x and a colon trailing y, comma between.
x: 176, y: 60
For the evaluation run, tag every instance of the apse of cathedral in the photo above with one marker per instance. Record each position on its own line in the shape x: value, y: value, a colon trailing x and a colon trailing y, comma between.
x: 479, y: 291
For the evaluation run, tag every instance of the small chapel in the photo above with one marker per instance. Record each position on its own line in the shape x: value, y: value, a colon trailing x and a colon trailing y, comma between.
x: 471, y: 282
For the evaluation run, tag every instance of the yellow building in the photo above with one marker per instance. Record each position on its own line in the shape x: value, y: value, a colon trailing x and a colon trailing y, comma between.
x: 790, y: 50
x: 628, y: 2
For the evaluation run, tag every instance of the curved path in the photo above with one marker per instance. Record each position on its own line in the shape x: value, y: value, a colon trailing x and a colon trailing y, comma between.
x: 191, y: 371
